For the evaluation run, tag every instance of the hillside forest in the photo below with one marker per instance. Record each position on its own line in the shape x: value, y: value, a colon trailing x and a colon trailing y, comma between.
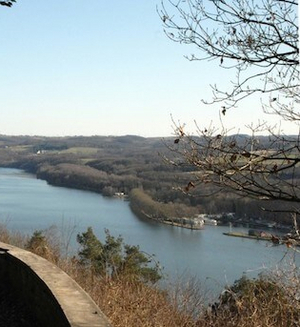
x: 133, y: 167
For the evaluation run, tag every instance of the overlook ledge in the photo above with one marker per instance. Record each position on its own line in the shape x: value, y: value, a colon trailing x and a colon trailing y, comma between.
x: 49, y: 294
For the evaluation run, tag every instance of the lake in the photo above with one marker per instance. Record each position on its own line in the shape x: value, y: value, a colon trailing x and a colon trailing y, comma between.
x: 28, y: 204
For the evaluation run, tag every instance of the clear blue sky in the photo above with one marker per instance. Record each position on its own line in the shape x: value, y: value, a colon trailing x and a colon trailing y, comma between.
x: 100, y: 67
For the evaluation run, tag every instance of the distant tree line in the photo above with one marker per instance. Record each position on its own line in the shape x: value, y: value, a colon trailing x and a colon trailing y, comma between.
x: 144, y: 206
x: 107, y: 165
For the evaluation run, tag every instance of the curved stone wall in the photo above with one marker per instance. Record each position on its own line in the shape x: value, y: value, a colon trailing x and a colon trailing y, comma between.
x: 52, y: 297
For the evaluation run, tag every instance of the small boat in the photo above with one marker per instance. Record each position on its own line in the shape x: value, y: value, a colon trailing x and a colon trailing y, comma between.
x: 209, y: 221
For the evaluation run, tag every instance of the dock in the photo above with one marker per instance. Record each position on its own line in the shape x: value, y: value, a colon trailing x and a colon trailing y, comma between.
x: 253, y: 237
x: 289, y: 242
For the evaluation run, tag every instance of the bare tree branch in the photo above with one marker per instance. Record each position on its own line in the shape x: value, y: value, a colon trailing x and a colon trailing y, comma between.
x: 7, y: 3
x: 257, y: 38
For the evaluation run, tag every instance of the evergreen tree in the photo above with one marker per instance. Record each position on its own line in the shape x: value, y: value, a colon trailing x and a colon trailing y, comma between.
x: 114, y: 259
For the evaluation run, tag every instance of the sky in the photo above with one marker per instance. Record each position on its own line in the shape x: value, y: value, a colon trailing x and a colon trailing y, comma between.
x: 102, y: 68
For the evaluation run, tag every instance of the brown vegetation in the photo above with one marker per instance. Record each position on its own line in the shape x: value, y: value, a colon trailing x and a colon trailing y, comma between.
x: 144, y: 206
x: 268, y: 301
x: 120, y: 164
x: 259, y: 43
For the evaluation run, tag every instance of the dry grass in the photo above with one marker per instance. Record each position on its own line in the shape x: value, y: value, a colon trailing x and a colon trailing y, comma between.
x: 269, y: 301
x: 13, y: 238
x: 83, y: 151
x: 128, y: 303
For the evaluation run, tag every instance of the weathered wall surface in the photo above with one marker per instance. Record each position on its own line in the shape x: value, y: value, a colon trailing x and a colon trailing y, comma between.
x: 49, y: 293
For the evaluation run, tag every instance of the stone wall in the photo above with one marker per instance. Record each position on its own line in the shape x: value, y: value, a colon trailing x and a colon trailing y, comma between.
x: 53, y: 298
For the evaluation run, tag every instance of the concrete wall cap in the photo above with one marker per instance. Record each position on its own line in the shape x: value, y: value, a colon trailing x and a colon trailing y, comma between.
x: 77, y: 305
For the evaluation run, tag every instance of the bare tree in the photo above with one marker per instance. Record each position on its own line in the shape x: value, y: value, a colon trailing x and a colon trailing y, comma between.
x: 260, y: 41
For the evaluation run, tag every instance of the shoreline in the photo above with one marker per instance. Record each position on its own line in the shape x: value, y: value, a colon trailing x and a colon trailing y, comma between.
x: 143, y: 215
x: 289, y: 242
x: 116, y: 196
x: 167, y: 222
x: 244, y: 235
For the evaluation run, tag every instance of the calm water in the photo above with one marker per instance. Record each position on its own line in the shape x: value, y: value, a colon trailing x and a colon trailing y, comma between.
x: 28, y: 204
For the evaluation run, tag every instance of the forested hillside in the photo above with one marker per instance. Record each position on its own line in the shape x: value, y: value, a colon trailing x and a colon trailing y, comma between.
x: 110, y: 165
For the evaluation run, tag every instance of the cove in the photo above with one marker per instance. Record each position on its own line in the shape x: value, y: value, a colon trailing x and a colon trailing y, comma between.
x: 28, y: 204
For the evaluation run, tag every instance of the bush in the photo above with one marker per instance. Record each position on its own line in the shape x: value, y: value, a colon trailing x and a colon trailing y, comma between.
x: 257, y: 302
